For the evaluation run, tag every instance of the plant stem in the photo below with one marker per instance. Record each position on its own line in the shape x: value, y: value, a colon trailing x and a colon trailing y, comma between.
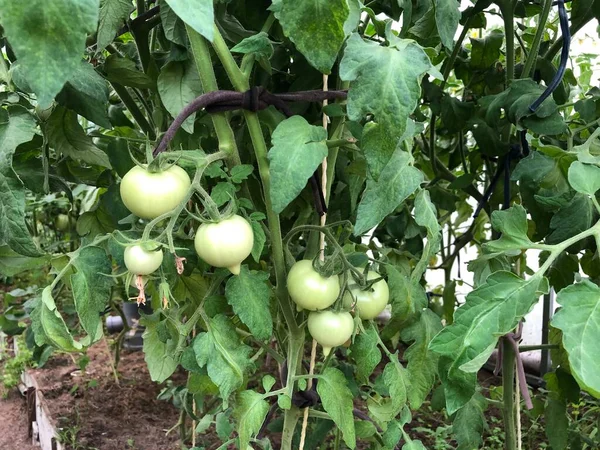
x: 535, y: 46
x: 249, y: 59
x: 508, y: 395
x: 507, y: 8
x: 530, y: 348
x: 133, y: 108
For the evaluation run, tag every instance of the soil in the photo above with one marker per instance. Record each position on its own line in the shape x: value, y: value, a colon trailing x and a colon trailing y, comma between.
x: 13, y: 423
x: 92, y: 411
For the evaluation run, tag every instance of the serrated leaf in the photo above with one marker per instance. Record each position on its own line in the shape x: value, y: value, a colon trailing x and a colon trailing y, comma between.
x: 469, y: 423
x: 17, y: 126
x: 198, y: 14
x: 512, y: 224
x: 579, y: 321
x: 490, y: 311
x: 48, y: 39
x: 124, y: 71
x: 365, y: 353
x: 178, y: 84
x: 298, y: 149
x: 397, y: 181
x: 259, y: 240
x: 224, y: 355
x: 113, y: 14
x: 91, y: 287
x: 259, y: 45
x: 384, y: 82
x: 485, y: 52
x: 572, y: 219
x: 241, y: 172
x: 426, y: 216
x: 316, y: 27
x: 447, y: 16
x: 248, y: 294
x: 250, y: 412
x: 422, y: 362
x: 67, y: 137
x: 395, y: 377
x: 159, y: 356
x: 12, y: 263
x: 336, y: 398
x: 584, y: 178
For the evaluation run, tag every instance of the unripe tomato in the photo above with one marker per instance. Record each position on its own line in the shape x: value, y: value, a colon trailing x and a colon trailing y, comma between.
x: 330, y: 328
x: 61, y: 223
x: 308, y: 289
x: 370, y: 302
x: 149, y: 195
x: 226, y: 243
x: 140, y: 261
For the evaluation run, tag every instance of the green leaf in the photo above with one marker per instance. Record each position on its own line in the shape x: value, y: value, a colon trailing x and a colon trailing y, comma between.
x: 124, y: 71
x: 248, y: 294
x: 512, y: 224
x: 91, y: 288
x: 572, y: 219
x: 241, y: 172
x: 384, y: 82
x: 398, y: 180
x: 426, y: 216
x: 12, y: 263
x: 579, y: 320
x: 178, y: 84
x: 17, y: 126
x: 250, y: 412
x: 224, y: 355
x: 365, y: 353
x: 490, y: 311
x: 113, y: 14
x: 259, y: 240
x: 422, y: 362
x: 49, y: 326
x: 396, y: 378
x: 298, y: 149
x: 485, y: 52
x: 268, y: 382
x: 259, y: 45
x: 198, y: 14
x: 469, y: 423
x: 173, y: 26
x: 337, y: 402
x: 316, y: 27
x: 159, y: 356
x: 67, y: 137
x: 447, y: 16
x: 48, y: 39
x: 557, y: 423
x: 414, y: 445
x: 584, y: 178
x: 86, y: 93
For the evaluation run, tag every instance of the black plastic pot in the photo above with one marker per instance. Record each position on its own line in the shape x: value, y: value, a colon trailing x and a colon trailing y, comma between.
x: 133, y: 338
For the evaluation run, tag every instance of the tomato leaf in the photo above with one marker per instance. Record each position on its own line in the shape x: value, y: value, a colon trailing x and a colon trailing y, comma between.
x: 316, y: 27
x: 512, y: 224
x: 584, y: 178
x: 48, y: 39
x: 398, y: 180
x: 113, y: 14
x: 490, y: 311
x: 91, y: 287
x: 579, y: 321
x: 298, y: 149
x: 259, y: 45
x: 178, y: 84
x: 173, y: 26
x: 224, y: 355
x: 422, y: 362
x: 384, y: 82
x: 124, y: 71
x: 12, y: 263
x: 337, y: 402
x: 160, y: 355
x: 259, y: 240
x: 67, y: 137
x: 426, y: 216
x: 250, y: 412
x: 557, y: 423
x: 469, y: 423
x: 365, y: 353
x: 248, y: 294
x: 395, y: 377
x: 198, y: 14
x: 447, y: 16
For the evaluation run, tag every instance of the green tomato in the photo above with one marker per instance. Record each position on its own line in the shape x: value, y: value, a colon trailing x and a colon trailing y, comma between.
x: 149, y: 195
x: 330, y: 328
x: 61, y: 223
x: 226, y: 243
x: 369, y: 303
x: 308, y: 289
x: 140, y: 261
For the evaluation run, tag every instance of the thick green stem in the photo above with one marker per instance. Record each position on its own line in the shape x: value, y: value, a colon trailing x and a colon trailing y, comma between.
x: 133, y: 108
x: 290, y: 420
x: 507, y: 8
x: 203, y: 62
x: 535, y: 46
x: 240, y: 82
x: 508, y: 395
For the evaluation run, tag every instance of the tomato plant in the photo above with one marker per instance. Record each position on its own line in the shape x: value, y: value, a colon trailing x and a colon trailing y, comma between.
x: 271, y: 149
